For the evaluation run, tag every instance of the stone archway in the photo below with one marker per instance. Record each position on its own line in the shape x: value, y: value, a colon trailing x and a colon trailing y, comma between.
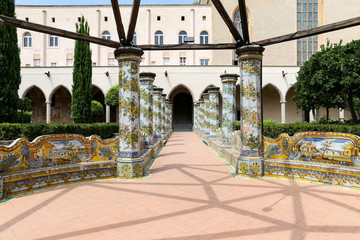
x: 37, y: 99
x: 182, y: 109
x: 292, y: 114
x: 98, y: 95
x: 271, y: 103
x: 61, y: 106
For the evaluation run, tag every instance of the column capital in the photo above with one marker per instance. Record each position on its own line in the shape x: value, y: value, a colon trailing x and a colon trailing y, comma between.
x: 205, y: 96
x: 250, y: 51
x: 229, y: 77
x: 163, y: 95
x: 282, y: 101
x: 147, y: 76
x: 48, y: 102
x: 128, y: 54
x: 213, y: 90
x: 167, y: 101
x: 157, y: 90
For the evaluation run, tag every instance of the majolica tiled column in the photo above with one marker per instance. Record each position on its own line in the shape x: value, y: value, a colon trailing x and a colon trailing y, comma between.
x: 146, y: 107
x: 167, y: 115
x: 252, y: 152
x: 196, y: 117
x: 157, y: 111
x: 163, y: 112
x: 129, y: 164
x: 201, y: 116
x: 206, y: 114
x: 213, y: 110
x: 171, y: 116
x: 228, y: 107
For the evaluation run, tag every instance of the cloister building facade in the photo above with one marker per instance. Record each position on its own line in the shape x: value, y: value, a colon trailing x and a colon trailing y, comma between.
x: 47, y: 60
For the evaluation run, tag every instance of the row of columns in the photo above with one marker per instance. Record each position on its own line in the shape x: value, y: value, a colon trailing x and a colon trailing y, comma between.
x: 142, y: 108
x: 250, y: 161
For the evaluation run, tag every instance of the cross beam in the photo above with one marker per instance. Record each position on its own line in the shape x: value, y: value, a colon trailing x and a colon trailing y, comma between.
x: 352, y: 22
x: 244, y: 21
x: 133, y: 20
x: 55, y: 31
x: 119, y: 24
x: 234, y: 31
x: 217, y: 46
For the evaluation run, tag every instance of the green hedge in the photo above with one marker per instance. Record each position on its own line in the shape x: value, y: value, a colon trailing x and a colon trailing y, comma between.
x: 273, y: 130
x: 31, y: 131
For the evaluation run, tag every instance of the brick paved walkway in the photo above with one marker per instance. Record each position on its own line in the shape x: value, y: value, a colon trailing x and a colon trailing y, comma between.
x: 189, y: 195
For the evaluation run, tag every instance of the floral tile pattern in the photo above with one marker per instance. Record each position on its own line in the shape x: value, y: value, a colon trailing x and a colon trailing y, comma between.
x: 146, y: 110
x: 129, y: 108
x: 206, y: 114
x: 228, y: 108
x: 157, y: 112
x: 213, y: 112
x: 250, y: 106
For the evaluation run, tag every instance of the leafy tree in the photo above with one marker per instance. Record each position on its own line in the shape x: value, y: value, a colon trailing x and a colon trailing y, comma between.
x: 112, y: 97
x: 97, y: 108
x: 24, y: 108
x: 82, y: 73
x: 318, y: 81
x: 9, y: 66
x: 350, y: 70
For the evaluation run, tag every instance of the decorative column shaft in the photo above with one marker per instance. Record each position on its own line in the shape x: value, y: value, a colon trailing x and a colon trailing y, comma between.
x: 283, y: 111
x: 157, y: 111
x: 167, y: 115
x: 171, y: 116
x: 48, y: 111
x: 107, y: 114
x: 252, y: 151
x: 206, y: 114
x: 196, y: 116
x: 129, y: 162
x: 163, y: 108
x: 146, y: 107
x: 213, y: 110
x: 201, y: 116
x: 228, y: 107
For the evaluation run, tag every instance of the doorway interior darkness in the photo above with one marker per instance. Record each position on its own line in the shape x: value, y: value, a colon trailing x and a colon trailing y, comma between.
x: 183, y: 112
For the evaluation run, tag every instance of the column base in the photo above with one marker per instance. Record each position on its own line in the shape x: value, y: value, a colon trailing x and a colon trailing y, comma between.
x: 252, y: 167
x: 130, y: 168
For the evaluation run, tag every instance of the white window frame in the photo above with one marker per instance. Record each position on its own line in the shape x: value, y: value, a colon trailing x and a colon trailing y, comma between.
x: 182, y: 61
x: 204, y: 37
x: 106, y: 35
x: 53, y: 41
x: 159, y: 38
x: 27, y: 39
x: 182, y: 35
x: 204, y: 62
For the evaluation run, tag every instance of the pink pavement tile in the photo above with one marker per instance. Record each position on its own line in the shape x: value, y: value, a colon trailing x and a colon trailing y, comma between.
x: 189, y: 195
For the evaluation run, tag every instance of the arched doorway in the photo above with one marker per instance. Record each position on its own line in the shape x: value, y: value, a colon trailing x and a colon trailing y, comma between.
x: 98, y: 96
x: 182, y: 109
x: 37, y: 99
x: 271, y: 103
x: 61, y: 106
x: 292, y: 113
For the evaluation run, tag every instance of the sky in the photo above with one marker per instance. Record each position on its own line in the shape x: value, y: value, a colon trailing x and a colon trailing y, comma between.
x: 97, y: 2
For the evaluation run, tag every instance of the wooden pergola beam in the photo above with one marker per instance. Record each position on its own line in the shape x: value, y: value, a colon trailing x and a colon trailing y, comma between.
x: 133, y: 20
x: 311, y: 32
x: 119, y: 23
x: 217, y: 46
x: 244, y: 21
x: 55, y: 31
x: 229, y: 23
x: 1, y: 23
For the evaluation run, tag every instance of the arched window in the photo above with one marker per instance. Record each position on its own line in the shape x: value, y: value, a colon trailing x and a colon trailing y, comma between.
x: 134, y: 39
x: 106, y: 35
x: 159, y: 38
x: 182, y: 36
x: 27, y: 40
x: 204, y: 37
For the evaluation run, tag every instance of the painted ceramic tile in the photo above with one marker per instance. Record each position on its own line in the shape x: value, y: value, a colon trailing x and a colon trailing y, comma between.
x: 228, y: 114
x: 146, y: 111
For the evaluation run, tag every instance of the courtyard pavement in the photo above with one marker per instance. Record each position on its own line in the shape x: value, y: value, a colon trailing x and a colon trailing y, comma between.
x: 189, y: 195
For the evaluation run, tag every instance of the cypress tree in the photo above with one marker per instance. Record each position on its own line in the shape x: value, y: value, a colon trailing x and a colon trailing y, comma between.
x: 82, y: 82
x: 10, y: 78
